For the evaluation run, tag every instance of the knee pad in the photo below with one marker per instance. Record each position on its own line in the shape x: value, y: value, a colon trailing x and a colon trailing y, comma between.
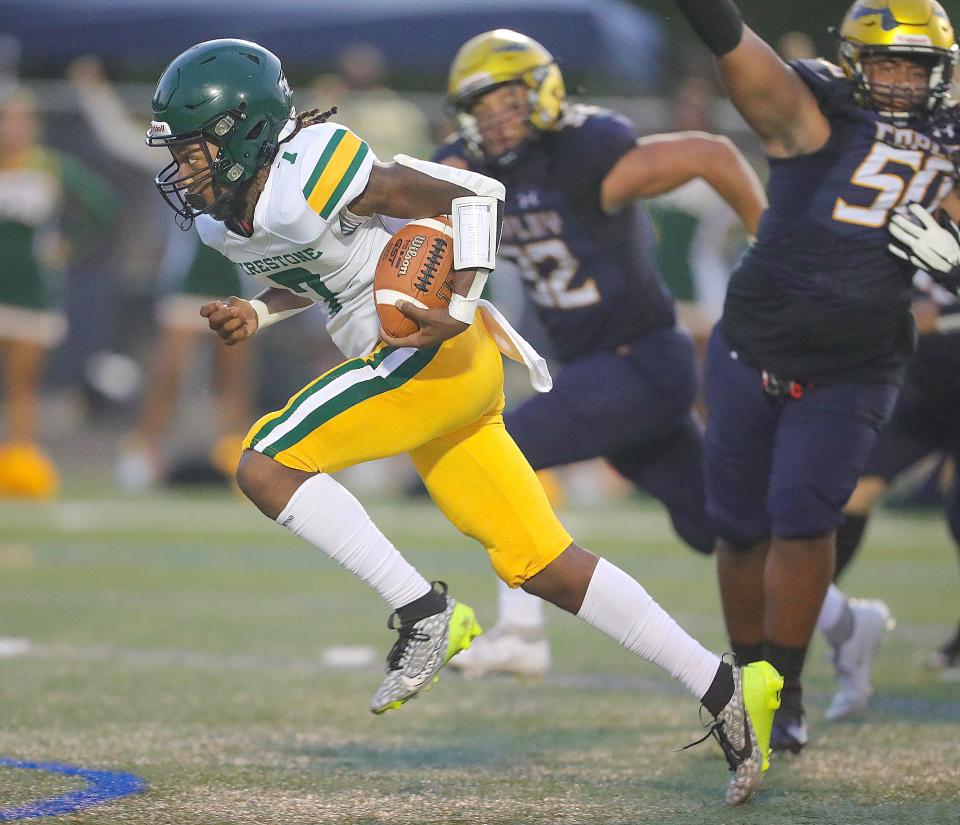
x: 514, y: 563
x: 738, y: 530
x: 696, y: 532
x: 800, y: 511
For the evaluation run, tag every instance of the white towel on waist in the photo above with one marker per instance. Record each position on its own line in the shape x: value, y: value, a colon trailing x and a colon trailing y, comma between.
x: 512, y: 344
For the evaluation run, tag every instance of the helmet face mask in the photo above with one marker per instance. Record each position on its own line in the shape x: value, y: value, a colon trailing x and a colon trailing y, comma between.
x: 497, y: 59
x: 219, y: 108
x: 884, y: 47
x: 897, y: 86
x: 498, y: 119
x: 184, y: 182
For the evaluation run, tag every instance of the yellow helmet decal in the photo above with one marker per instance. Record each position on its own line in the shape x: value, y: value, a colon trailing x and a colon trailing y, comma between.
x: 898, y: 23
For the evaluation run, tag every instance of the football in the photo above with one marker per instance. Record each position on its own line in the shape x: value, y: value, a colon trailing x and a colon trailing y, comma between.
x: 416, y: 265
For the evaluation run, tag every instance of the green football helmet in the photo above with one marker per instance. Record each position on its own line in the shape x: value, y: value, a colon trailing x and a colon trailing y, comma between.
x: 230, y: 95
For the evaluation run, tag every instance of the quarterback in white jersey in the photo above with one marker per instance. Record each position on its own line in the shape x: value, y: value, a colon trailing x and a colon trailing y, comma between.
x: 301, y: 203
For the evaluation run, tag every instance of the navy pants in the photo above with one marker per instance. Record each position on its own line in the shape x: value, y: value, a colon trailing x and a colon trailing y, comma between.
x: 631, y: 407
x: 782, y: 466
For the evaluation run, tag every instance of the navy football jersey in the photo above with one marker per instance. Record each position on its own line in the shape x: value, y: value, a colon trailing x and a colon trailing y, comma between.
x: 591, y: 275
x: 819, y: 297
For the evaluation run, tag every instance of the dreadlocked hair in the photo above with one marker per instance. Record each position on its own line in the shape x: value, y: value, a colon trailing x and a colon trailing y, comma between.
x: 311, y: 117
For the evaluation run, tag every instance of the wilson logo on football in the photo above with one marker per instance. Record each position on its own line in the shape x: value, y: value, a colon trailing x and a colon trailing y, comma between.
x: 411, y: 253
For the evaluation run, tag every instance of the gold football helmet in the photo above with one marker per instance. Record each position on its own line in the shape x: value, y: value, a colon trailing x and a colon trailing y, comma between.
x: 916, y: 29
x: 503, y: 56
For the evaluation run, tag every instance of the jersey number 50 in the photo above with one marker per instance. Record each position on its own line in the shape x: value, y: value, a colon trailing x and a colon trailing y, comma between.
x: 891, y: 188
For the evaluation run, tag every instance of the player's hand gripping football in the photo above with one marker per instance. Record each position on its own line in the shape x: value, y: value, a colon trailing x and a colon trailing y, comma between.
x: 234, y: 320
x: 436, y: 326
x: 927, y: 243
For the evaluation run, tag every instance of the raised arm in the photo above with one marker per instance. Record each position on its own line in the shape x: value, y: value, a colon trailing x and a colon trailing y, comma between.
x: 661, y: 163
x: 766, y: 91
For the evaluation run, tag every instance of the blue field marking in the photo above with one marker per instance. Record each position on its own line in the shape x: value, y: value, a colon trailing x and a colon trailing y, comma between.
x: 103, y: 787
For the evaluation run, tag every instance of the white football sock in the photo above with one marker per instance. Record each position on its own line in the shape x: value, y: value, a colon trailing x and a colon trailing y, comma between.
x: 517, y: 608
x: 833, y: 604
x: 323, y: 512
x: 618, y: 605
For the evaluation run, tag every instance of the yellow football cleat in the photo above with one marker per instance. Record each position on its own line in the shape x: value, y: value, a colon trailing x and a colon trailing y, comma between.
x: 742, y: 728
x: 761, y: 695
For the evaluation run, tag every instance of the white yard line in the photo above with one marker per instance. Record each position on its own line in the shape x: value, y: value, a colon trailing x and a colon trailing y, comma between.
x: 13, y: 647
x: 231, y: 519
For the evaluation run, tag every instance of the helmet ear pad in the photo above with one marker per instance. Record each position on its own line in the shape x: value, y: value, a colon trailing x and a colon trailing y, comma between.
x: 548, y: 94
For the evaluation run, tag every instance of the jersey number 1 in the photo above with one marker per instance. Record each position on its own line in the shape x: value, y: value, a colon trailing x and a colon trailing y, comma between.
x: 304, y: 282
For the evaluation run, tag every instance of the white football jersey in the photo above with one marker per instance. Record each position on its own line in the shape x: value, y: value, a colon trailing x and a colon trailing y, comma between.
x: 304, y: 241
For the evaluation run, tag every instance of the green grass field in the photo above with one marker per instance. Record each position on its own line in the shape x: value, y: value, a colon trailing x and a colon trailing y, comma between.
x: 182, y: 639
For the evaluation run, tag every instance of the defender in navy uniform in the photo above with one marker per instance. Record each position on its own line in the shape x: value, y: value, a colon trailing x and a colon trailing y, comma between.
x: 924, y: 422
x: 925, y: 419
x: 584, y: 247
x: 805, y: 365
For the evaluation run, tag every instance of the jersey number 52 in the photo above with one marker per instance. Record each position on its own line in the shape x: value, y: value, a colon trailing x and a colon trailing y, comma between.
x: 548, y: 268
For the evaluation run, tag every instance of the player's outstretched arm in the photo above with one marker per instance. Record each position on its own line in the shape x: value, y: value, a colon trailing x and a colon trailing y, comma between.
x: 766, y: 91
x: 661, y: 163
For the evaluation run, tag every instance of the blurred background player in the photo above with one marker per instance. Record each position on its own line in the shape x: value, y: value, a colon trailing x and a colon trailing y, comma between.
x: 368, y: 106
x: 51, y: 207
x: 695, y: 227
x: 925, y: 419
x: 190, y: 275
x: 924, y: 422
x: 584, y: 248
x: 805, y: 363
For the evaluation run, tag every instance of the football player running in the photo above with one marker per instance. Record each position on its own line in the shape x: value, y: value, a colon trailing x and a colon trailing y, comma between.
x: 585, y: 249
x: 304, y: 205
x: 805, y: 364
x: 925, y: 418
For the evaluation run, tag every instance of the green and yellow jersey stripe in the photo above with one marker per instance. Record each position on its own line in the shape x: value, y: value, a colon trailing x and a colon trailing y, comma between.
x: 334, y: 172
x: 352, y: 383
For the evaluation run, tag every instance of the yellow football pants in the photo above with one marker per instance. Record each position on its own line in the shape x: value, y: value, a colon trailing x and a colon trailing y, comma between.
x: 444, y: 407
